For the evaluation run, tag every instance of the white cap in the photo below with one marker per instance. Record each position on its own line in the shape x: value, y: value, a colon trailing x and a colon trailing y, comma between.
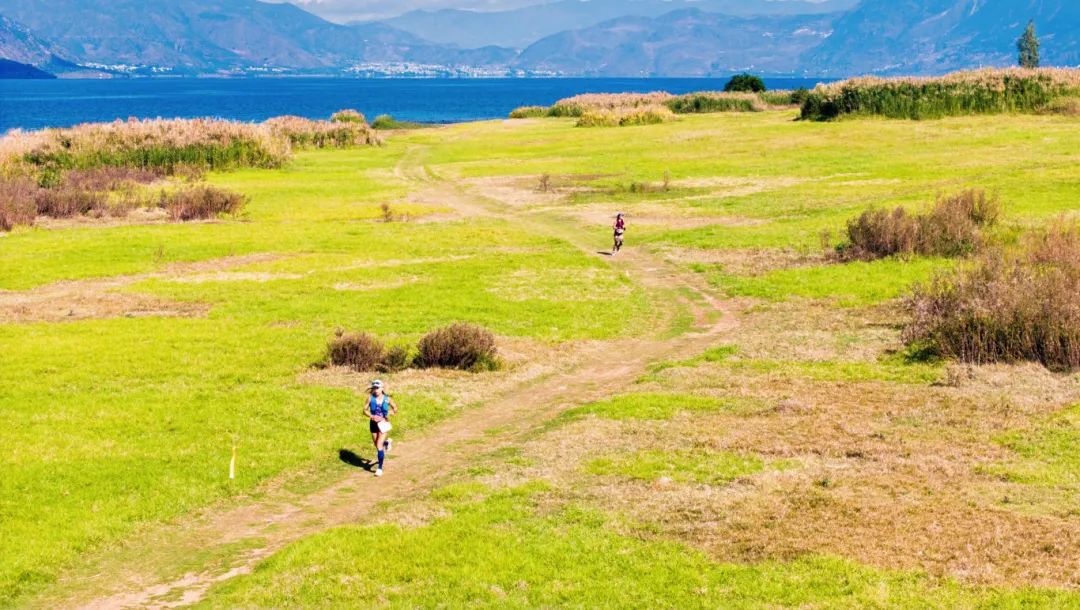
x: 377, y: 384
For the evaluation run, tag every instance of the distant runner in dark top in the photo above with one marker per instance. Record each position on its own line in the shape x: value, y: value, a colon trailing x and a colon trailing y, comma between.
x: 620, y: 229
x: 379, y: 409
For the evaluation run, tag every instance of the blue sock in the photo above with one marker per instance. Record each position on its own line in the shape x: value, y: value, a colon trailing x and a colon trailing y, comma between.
x: 382, y: 455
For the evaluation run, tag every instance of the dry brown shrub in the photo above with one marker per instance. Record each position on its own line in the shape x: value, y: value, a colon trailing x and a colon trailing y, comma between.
x: 360, y: 352
x: 200, y: 202
x: 952, y: 228
x: 1006, y: 308
x: 458, y: 346
x: 18, y: 205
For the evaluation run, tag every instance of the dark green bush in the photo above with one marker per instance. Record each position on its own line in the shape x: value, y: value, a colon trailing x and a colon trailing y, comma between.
x: 745, y: 83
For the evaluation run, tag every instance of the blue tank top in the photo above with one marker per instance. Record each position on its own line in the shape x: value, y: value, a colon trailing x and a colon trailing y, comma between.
x: 382, y: 410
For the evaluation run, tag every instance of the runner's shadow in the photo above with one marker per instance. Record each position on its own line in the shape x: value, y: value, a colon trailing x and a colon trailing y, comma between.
x: 356, y: 461
x: 603, y: 253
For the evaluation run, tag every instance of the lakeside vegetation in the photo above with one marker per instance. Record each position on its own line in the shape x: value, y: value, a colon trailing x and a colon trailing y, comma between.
x: 111, y: 169
x: 622, y: 109
x: 990, y: 91
x: 138, y: 355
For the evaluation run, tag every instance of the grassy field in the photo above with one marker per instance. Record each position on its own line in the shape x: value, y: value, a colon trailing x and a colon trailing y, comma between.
x: 800, y: 458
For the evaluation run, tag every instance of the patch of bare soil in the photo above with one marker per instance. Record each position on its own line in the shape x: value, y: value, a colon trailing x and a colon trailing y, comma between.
x: 751, y: 261
x: 104, y: 298
x: 138, y: 216
x: 652, y: 215
x: 518, y: 191
x: 740, y: 186
x: 809, y: 331
x: 890, y: 475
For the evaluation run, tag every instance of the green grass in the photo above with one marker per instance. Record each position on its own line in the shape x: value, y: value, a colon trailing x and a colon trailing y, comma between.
x: 498, y: 551
x: 1048, y: 455
x: 121, y: 422
x: 116, y: 424
x: 694, y: 466
x: 849, y: 284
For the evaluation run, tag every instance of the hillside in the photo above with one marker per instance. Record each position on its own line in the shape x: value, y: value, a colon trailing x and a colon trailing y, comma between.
x: 522, y: 27
x: 13, y: 69
x: 682, y: 43
x: 568, y: 37
x: 192, y: 36
x: 936, y: 36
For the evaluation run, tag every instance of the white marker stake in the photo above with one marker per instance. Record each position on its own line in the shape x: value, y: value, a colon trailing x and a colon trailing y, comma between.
x: 232, y: 464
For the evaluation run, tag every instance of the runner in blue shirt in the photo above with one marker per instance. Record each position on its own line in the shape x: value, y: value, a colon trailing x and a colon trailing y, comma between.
x: 379, y: 409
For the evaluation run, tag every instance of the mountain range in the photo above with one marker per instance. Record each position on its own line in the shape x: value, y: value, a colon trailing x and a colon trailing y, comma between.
x: 521, y: 27
x: 564, y: 37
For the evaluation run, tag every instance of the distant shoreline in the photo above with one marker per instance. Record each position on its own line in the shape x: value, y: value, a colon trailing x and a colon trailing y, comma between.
x: 62, y: 103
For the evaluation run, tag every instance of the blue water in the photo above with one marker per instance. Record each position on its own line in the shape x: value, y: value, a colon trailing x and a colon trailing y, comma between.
x: 31, y: 104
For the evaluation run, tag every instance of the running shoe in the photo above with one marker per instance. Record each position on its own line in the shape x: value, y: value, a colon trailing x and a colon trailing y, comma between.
x: 388, y: 445
x: 378, y: 472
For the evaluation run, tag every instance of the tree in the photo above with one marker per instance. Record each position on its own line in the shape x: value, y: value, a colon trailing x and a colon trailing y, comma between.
x: 745, y: 82
x: 1028, y: 45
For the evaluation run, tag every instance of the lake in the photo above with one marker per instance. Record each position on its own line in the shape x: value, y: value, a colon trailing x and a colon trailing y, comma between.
x: 33, y: 104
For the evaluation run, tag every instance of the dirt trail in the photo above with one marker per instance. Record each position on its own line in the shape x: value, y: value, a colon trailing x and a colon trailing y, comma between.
x: 280, y: 517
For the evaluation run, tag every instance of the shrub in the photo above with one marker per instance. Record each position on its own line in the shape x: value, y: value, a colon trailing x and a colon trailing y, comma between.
x: 745, y: 83
x: 647, y: 115
x: 385, y: 121
x: 960, y: 93
x: 360, y: 352
x: 68, y: 202
x: 564, y: 109
x: 1068, y: 106
x: 348, y: 116
x: 651, y: 115
x: 598, y: 118
x: 307, y: 133
x: 1005, y: 309
x: 395, y: 359
x: 529, y: 112
x: 17, y: 202
x: 458, y: 346
x: 200, y: 202
x: 952, y: 228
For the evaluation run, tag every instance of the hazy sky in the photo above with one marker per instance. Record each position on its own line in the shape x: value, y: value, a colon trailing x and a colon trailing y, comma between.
x: 346, y: 10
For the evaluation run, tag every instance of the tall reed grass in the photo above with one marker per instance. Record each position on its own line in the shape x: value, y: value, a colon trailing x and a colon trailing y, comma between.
x: 611, y: 109
x: 991, y: 91
x: 145, y: 144
x: 307, y: 133
x: 641, y: 115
